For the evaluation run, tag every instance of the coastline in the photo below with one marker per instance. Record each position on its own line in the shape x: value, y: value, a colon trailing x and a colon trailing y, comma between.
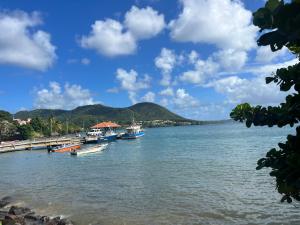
x: 12, y: 213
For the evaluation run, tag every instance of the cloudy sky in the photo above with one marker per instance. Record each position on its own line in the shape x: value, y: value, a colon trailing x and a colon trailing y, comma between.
x: 198, y: 58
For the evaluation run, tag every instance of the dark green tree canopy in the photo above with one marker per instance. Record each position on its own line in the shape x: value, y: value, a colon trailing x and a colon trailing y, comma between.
x: 279, y: 23
x: 5, y: 116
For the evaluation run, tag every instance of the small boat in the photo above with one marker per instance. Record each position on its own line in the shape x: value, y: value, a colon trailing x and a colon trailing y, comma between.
x: 134, y: 131
x: 94, y: 132
x: 65, y: 148
x: 109, y: 135
x: 93, y: 149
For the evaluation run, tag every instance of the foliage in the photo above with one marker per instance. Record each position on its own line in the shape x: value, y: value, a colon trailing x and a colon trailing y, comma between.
x: 280, y: 22
x: 26, y: 131
x: 5, y: 116
x: 85, y: 116
x: 7, y: 130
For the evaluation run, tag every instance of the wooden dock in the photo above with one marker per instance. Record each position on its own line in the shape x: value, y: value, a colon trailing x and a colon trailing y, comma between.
x: 38, y: 143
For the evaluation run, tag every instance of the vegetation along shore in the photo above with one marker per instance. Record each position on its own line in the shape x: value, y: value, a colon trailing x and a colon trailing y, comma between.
x: 48, y: 122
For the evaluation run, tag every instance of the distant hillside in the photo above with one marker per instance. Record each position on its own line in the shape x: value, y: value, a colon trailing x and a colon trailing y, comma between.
x: 91, y: 114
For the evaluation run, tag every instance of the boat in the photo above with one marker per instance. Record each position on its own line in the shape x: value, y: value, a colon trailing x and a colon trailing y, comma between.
x: 109, y: 135
x: 133, y: 131
x: 92, y: 149
x: 108, y: 131
x: 94, y: 132
x: 65, y: 148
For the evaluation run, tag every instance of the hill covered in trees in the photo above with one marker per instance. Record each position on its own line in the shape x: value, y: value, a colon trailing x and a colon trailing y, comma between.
x: 91, y: 114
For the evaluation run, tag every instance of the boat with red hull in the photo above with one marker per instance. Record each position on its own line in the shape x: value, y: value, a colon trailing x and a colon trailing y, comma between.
x: 66, y: 148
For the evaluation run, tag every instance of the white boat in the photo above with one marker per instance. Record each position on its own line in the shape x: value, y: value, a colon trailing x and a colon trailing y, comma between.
x: 93, y: 149
x: 95, y: 132
x: 134, y: 131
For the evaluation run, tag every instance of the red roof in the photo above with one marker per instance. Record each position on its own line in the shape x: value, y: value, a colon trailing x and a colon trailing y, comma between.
x: 106, y: 125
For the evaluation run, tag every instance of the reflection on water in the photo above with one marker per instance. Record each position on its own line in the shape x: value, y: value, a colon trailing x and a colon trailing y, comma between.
x: 180, y: 175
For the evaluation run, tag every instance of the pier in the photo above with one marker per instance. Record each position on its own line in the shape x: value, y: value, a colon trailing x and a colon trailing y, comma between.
x: 39, y: 143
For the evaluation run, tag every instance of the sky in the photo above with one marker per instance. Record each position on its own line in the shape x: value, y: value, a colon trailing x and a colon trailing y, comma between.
x: 198, y: 58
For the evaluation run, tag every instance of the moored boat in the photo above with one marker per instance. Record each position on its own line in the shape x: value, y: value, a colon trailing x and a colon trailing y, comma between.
x: 108, y: 130
x: 92, y: 149
x: 134, y: 131
x: 66, y: 148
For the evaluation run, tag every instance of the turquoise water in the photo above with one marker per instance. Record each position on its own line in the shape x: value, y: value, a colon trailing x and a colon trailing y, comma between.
x: 178, y: 175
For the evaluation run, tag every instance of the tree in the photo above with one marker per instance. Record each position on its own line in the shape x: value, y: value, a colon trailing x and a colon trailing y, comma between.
x: 280, y: 22
x: 5, y: 116
x: 38, y: 124
x: 7, y: 130
x: 26, y: 131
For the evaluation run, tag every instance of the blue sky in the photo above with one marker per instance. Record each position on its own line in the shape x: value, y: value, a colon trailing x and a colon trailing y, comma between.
x: 196, y: 57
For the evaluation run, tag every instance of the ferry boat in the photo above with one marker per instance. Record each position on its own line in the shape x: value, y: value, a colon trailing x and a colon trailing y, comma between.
x: 93, y: 149
x: 108, y: 132
x: 65, y: 148
x: 109, y: 135
x: 134, y: 131
x: 93, y: 135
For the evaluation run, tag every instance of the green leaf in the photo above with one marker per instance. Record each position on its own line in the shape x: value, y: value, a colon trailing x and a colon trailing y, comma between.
x: 272, y: 5
x: 269, y: 79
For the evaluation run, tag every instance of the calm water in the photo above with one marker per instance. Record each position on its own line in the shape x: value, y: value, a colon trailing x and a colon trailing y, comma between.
x: 180, y: 175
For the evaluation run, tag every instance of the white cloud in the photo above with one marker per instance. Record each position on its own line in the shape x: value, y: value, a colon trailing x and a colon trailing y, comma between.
x: 113, y: 90
x: 193, y: 56
x: 167, y: 92
x: 109, y: 38
x: 67, y: 97
x: 265, y: 55
x: 254, y: 90
x: 129, y: 82
x: 166, y: 62
x: 113, y: 38
x: 85, y: 61
x: 231, y: 59
x: 183, y: 100
x: 148, y: 97
x: 20, y: 45
x: 202, y: 71
x: 224, y: 23
x: 144, y: 23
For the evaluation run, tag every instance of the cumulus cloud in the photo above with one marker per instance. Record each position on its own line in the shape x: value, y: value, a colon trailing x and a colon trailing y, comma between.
x: 166, y: 62
x: 148, y: 97
x: 129, y: 82
x: 224, y: 23
x: 183, y: 100
x: 21, y: 45
x: 265, y: 55
x: 144, y: 23
x: 203, y: 69
x: 167, y: 92
x: 254, y: 90
x: 231, y: 59
x: 113, y: 38
x: 109, y: 38
x: 66, y: 97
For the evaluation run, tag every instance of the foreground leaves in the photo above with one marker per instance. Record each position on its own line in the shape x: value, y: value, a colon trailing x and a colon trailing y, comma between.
x: 282, y: 20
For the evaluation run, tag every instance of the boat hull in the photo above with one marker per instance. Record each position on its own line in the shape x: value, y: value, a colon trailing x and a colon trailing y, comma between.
x: 107, y: 138
x: 133, y: 136
x: 94, y: 149
x: 67, y: 149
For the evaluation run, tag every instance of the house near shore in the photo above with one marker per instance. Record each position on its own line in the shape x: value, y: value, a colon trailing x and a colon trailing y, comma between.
x: 22, y: 122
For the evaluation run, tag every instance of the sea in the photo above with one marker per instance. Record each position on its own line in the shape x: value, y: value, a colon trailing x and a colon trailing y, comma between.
x: 174, y: 175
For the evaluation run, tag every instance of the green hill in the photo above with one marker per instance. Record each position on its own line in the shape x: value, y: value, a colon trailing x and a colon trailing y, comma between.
x: 92, y: 114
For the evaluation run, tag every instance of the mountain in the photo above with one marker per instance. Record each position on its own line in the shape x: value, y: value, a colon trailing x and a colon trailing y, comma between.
x: 91, y: 114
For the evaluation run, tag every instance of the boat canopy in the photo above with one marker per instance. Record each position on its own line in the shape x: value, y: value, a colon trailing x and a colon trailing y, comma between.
x: 106, y: 125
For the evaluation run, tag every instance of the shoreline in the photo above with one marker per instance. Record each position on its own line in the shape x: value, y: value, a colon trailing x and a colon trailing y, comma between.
x: 11, y: 213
